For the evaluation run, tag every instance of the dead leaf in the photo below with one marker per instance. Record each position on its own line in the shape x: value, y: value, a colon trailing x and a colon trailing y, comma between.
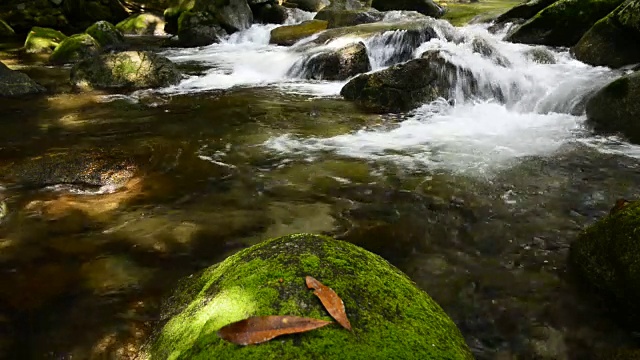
x: 258, y: 329
x: 620, y: 204
x: 330, y: 300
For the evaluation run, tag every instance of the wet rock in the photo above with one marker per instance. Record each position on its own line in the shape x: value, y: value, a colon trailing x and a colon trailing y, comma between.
x: 562, y: 23
x: 340, y: 64
x: 75, y: 48
x: 172, y: 14
x: 42, y: 40
x: 524, y: 11
x: 269, y: 13
x: 427, y: 7
x: 105, y: 34
x: 340, y: 18
x: 615, y: 108
x: 199, y: 29
x: 6, y: 30
x: 541, y: 55
x: 32, y: 287
x: 15, y: 83
x: 142, y: 24
x: 113, y: 274
x: 405, y: 86
x: 128, y: 69
x: 289, y: 35
x: 381, y: 323
x: 232, y: 15
x: 606, y: 257
x: 483, y: 47
x: 613, y: 40
x: 311, y: 5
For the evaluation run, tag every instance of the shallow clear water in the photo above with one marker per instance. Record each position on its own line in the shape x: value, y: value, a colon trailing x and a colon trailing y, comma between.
x: 476, y: 201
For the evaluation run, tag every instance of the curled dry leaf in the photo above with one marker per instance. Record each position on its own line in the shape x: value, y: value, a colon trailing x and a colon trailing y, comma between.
x: 330, y: 300
x: 258, y: 329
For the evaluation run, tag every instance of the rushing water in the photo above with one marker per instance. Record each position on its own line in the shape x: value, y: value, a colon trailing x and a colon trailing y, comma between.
x: 477, y: 199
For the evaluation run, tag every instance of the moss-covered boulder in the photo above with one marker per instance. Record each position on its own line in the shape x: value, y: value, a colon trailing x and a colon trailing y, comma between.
x: 524, y: 11
x: 311, y: 5
x: 616, y: 108
x: 340, y: 64
x: 75, y: 48
x: 105, y: 34
x: 199, y: 29
x: 613, y: 41
x: 391, y: 318
x: 172, y: 14
x: 15, y: 83
x: 127, y: 69
x: 42, y: 40
x: 563, y: 23
x: 142, y: 24
x: 607, y: 256
x: 269, y: 13
x: 340, y: 18
x: 427, y: 7
x: 289, y: 35
x: 6, y: 30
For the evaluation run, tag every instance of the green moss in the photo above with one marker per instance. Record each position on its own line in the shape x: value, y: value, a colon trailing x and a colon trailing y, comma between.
x: 288, y: 35
x: 607, y: 256
x: 43, y: 40
x: 105, y: 33
x: 618, y: 88
x: 141, y: 24
x: 391, y: 317
x: 459, y: 13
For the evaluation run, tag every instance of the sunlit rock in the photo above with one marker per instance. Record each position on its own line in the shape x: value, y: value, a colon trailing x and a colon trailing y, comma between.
x: 142, y: 24
x: 339, y: 64
x: 75, y: 48
x: 290, y: 34
x: 42, y: 40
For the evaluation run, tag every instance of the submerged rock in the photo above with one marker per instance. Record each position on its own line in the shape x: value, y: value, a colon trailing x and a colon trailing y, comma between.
x: 408, y: 85
x: 427, y: 7
x: 340, y: 64
x: 15, y: 83
x: 616, y: 109
x: 612, y: 41
x: 42, y: 40
x: 128, y: 69
x: 607, y: 254
x: 142, y: 24
x: 105, y: 34
x: 74, y: 49
x: 199, y: 29
x: 484, y: 48
x: 340, y: 18
x: 524, y: 11
x: 6, y: 30
x: 289, y: 35
x: 563, y: 23
x: 541, y: 55
x: 389, y: 315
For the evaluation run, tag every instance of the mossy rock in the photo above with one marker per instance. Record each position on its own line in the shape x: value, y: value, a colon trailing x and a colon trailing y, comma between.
x: 127, y: 69
x: 6, y: 30
x: 289, y: 35
x: 197, y: 28
x: 142, y: 24
x: 43, y: 40
x: 391, y: 318
x: 75, y: 48
x: 340, y: 18
x: 14, y: 83
x: 524, y: 11
x: 563, y: 23
x: 105, y: 34
x: 612, y: 41
x: 172, y: 14
x: 615, y: 108
x: 607, y: 256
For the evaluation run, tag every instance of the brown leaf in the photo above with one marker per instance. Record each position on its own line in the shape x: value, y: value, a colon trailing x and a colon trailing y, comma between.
x: 330, y: 300
x: 620, y: 204
x: 257, y: 329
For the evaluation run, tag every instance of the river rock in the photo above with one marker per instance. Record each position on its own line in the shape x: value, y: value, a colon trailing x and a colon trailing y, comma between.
x: 540, y: 55
x: 142, y: 24
x: 524, y: 11
x: 15, y: 83
x: 172, y: 14
x: 408, y: 85
x: 340, y: 64
x: 389, y: 315
x: 484, y: 48
x: 42, y: 40
x: 562, y: 23
x: 199, y: 29
x: 612, y: 41
x: 606, y: 256
x: 289, y: 35
x: 427, y: 7
x: 270, y: 13
x: 74, y: 49
x: 311, y: 5
x: 105, y: 34
x: 128, y: 69
x: 340, y: 18
x: 616, y: 107
x: 232, y: 15
x: 6, y: 30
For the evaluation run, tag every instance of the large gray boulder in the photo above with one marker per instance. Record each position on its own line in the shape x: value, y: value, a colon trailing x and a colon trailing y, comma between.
x: 340, y: 64
x: 15, y: 83
x: 613, y: 41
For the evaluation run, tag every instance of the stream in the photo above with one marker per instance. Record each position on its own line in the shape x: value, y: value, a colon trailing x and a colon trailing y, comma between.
x: 476, y: 199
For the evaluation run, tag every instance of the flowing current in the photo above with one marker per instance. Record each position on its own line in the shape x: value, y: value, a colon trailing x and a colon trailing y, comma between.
x: 540, y: 110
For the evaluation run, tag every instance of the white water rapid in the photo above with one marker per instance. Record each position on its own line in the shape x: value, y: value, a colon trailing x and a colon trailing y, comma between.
x: 540, y: 110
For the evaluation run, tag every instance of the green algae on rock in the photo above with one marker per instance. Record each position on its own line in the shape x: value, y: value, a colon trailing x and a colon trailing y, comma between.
x: 105, y: 34
x: 142, y: 24
x: 391, y: 317
x: 43, y: 40
x: 562, y: 23
x: 607, y: 256
x: 75, y: 48
x: 290, y: 34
